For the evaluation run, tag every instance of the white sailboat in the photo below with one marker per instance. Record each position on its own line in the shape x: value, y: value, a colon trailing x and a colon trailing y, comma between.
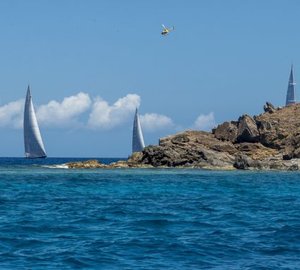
x: 34, y: 147
x: 137, y: 134
x: 290, y: 95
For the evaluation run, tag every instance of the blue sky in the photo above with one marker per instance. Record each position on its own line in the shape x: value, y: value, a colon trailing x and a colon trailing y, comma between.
x: 225, y: 58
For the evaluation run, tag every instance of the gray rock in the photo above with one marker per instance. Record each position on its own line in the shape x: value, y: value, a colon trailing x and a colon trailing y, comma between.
x: 247, y: 129
x: 269, y: 108
x: 227, y: 131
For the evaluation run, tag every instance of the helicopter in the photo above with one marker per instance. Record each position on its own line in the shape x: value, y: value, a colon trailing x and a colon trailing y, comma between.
x: 166, y: 30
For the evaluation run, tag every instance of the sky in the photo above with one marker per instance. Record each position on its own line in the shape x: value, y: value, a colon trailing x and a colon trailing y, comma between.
x: 91, y: 63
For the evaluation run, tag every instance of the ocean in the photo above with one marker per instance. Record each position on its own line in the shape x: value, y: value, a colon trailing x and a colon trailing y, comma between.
x: 57, y: 218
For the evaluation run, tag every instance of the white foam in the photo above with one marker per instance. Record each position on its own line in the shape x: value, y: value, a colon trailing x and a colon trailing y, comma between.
x: 57, y: 166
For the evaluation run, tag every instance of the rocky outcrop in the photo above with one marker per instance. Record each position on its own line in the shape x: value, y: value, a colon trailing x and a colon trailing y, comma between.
x: 95, y: 164
x: 245, y: 162
x: 270, y: 141
x: 267, y: 141
x: 190, y: 149
x: 91, y: 164
x: 281, y: 129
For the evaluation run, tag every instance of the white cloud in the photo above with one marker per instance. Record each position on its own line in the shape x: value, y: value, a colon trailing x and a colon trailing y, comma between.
x: 11, y: 114
x: 105, y: 116
x: 102, y: 115
x: 205, y: 122
x: 153, y: 121
x: 63, y: 113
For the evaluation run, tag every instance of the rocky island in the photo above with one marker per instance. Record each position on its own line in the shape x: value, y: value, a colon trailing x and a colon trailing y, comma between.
x: 269, y: 141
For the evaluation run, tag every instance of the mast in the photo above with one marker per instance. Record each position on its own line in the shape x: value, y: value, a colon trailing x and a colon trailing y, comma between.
x: 290, y: 96
x: 34, y: 146
x: 137, y: 135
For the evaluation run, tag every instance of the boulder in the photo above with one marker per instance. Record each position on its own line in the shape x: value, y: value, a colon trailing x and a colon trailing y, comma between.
x: 269, y: 108
x: 256, y: 151
x: 227, y: 131
x: 136, y: 157
x: 243, y: 162
x: 247, y: 129
x: 288, y: 152
x: 296, y: 153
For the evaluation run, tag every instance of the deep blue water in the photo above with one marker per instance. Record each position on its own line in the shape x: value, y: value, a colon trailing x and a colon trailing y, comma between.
x: 146, y: 218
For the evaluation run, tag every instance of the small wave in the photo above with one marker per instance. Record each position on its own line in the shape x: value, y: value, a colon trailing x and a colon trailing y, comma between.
x: 57, y: 166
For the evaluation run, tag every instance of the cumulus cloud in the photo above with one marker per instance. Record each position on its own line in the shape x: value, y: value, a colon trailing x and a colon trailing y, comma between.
x: 205, y: 121
x: 67, y: 112
x: 63, y: 113
x: 153, y: 121
x: 105, y: 116
x: 11, y: 114
x: 71, y: 111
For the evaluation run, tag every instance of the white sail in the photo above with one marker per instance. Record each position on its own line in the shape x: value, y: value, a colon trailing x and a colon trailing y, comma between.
x: 290, y: 95
x: 137, y: 134
x: 34, y: 147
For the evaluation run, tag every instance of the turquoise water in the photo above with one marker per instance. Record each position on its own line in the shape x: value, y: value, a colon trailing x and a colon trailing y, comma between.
x: 146, y: 219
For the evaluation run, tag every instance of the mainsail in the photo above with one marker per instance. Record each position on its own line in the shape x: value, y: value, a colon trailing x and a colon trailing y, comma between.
x: 34, y: 147
x: 137, y: 134
x: 290, y: 96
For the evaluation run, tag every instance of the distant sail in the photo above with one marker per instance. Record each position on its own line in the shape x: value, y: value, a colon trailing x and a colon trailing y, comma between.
x: 34, y: 147
x: 137, y: 134
x: 290, y: 96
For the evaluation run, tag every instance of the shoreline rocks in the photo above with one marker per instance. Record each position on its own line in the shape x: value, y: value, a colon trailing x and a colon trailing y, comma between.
x: 269, y: 141
x: 95, y: 164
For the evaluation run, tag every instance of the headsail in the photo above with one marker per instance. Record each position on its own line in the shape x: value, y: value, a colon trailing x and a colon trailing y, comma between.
x: 290, y: 96
x: 34, y: 147
x: 137, y: 134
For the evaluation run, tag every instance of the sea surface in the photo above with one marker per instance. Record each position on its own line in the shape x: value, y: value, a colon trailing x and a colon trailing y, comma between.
x: 57, y: 218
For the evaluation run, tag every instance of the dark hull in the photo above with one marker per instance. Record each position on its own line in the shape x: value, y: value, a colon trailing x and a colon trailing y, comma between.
x: 35, y: 157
